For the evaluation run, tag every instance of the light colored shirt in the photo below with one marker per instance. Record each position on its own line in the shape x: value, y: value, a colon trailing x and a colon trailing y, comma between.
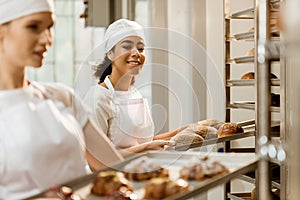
x: 41, y: 139
x: 100, y: 101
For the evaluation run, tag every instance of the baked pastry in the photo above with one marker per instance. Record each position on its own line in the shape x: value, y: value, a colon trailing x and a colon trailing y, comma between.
x: 200, y: 168
x: 144, y: 168
x: 62, y: 192
x: 251, y: 29
x: 206, y: 132
x: 159, y: 188
x: 186, y: 137
x: 251, y: 52
x: 229, y: 129
x: 109, y: 183
x: 249, y: 75
x: 210, y: 122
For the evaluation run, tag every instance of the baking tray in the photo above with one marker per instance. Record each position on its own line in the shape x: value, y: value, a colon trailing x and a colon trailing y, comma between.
x: 212, y: 141
x: 249, y: 130
x: 240, y: 163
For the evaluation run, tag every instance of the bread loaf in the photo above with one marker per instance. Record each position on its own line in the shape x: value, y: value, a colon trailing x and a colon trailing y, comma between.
x: 251, y: 75
x: 186, y: 138
x: 229, y: 129
x: 210, y: 122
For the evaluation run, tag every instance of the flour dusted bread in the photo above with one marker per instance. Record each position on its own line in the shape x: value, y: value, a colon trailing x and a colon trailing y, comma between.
x: 144, y: 168
x: 206, y: 132
x: 200, y: 168
x: 210, y: 122
x: 229, y: 129
x: 114, y: 184
x: 186, y: 138
x: 160, y: 188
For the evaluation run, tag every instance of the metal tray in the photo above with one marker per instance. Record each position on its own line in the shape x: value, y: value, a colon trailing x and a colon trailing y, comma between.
x: 212, y: 141
x: 240, y: 163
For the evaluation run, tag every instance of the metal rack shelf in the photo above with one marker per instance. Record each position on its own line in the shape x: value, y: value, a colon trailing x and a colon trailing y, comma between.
x: 249, y: 106
x: 244, y: 59
x: 249, y: 82
x: 239, y: 196
x: 252, y: 180
x: 244, y: 14
x: 249, y: 14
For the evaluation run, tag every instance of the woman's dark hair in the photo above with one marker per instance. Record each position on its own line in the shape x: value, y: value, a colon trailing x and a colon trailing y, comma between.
x: 104, y: 69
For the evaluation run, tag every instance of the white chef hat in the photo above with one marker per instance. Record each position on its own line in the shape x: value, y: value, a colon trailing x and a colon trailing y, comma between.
x: 13, y: 9
x: 120, y: 29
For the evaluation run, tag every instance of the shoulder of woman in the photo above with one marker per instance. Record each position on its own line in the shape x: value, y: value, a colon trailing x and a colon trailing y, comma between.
x: 56, y: 91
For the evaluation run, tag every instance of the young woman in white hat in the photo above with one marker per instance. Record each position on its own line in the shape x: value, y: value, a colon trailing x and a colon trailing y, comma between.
x: 120, y: 110
x: 45, y: 132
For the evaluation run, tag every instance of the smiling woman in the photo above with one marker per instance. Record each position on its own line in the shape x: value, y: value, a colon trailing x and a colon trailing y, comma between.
x: 120, y: 110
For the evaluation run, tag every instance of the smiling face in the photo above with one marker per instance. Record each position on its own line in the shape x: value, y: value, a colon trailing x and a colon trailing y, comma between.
x: 128, y: 56
x: 25, y: 41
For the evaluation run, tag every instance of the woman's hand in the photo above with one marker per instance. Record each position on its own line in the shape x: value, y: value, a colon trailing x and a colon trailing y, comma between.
x: 152, y: 145
x: 157, y: 144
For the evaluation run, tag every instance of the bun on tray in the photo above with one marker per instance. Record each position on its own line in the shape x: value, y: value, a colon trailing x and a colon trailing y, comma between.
x: 144, y: 168
x: 251, y: 75
x: 160, y: 188
x: 229, y: 129
x: 114, y: 184
x: 251, y: 52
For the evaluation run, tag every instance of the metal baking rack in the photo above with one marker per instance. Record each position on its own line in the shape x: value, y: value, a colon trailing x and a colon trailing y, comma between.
x: 263, y: 13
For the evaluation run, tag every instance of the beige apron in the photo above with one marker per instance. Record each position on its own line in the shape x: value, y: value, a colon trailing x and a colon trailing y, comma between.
x: 40, y: 146
x: 134, y: 124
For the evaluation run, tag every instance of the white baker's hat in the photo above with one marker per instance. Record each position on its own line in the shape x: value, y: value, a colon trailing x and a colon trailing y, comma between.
x: 13, y: 9
x: 120, y: 29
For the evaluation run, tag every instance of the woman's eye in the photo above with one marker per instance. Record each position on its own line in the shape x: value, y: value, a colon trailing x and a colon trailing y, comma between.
x: 33, y: 27
x: 141, y: 49
x: 127, y: 47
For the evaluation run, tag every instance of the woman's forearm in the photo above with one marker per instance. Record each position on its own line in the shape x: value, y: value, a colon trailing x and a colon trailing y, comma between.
x: 168, y: 134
